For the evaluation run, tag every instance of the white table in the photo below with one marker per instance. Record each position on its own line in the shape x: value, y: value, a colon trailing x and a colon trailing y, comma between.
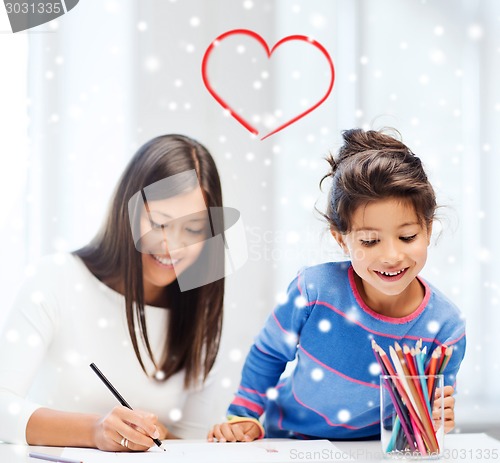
x: 458, y: 448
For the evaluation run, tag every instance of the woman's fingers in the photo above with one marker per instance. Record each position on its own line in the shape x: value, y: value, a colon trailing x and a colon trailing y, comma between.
x: 123, y: 429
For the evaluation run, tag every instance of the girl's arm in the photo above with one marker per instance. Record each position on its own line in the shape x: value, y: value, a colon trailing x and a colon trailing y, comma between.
x: 274, y: 347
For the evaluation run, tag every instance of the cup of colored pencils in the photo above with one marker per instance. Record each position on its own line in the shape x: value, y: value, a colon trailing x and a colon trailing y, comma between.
x: 411, y: 418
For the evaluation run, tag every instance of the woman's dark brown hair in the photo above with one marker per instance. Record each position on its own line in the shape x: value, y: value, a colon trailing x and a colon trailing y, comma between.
x: 195, y: 316
x: 370, y: 166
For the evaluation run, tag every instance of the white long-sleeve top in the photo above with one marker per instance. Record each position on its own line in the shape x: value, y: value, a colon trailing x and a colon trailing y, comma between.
x: 62, y: 320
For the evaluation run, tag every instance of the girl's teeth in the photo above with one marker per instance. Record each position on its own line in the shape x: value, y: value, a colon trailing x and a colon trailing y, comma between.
x: 392, y: 274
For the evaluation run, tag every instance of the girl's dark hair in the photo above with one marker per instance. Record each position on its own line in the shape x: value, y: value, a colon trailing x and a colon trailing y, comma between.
x: 195, y: 316
x: 371, y: 166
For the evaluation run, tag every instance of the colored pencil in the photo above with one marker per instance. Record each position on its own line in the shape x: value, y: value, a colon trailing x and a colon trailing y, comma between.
x: 411, y: 396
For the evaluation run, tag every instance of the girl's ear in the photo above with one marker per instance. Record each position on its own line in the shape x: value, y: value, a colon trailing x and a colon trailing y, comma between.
x: 429, y: 233
x: 339, y: 238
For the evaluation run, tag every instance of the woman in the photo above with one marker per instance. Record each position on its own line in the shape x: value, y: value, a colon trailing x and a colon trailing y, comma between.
x: 140, y: 301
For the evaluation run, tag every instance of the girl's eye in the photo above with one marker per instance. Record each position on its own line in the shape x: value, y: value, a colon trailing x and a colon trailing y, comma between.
x: 407, y: 239
x: 368, y: 242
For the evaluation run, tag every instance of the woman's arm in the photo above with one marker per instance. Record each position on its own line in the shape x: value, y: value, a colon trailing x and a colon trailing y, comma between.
x: 65, y: 429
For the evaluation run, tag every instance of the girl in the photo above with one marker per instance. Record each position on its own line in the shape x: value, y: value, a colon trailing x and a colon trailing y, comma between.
x: 380, y: 211
x: 118, y: 302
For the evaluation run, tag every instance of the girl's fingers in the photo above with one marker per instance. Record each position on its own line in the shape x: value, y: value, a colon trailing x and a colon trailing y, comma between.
x: 216, y: 433
x: 234, y: 432
x: 448, y: 391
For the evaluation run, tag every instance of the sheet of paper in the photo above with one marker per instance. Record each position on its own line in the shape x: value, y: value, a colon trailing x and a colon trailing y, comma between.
x: 272, y: 450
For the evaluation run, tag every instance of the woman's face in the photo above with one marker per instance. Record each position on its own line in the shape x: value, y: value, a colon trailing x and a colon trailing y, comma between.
x: 173, y: 232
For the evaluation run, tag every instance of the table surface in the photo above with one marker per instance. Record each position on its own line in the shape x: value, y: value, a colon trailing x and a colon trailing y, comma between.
x: 458, y: 448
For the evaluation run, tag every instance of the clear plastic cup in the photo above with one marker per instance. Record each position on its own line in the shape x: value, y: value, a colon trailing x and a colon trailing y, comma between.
x: 411, y: 418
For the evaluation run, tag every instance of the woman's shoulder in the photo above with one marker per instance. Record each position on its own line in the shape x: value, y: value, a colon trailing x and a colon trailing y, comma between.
x: 58, y: 264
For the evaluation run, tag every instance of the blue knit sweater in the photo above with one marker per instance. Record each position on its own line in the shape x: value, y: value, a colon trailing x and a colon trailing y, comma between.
x: 333, y: 391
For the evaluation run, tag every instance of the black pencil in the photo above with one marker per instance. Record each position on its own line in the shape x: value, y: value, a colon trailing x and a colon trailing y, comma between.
x: 118, y: 395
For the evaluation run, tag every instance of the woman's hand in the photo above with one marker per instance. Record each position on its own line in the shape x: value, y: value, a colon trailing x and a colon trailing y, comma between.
x: 449, y: 408
x: 243, y: 431
x: 124, y: 430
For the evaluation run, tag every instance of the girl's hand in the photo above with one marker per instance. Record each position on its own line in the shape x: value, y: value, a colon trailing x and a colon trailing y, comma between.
x: 131, y: 427
x: 244, y: 431
x: 449, y: 408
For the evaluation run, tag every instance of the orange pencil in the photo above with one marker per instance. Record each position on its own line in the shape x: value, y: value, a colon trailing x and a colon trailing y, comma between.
x: 432, y: 369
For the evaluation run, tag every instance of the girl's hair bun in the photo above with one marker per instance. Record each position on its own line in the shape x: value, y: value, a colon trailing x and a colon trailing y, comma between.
x: 373, y: 165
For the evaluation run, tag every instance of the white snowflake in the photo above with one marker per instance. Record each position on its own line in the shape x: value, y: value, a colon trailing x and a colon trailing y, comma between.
x: 291, y: 339
x: 37, y: 297
x: 235, y: 355
x: 439, y: 30
x: 33, y: 340
x: 272, y: 393
x: 175, y: 414
x: 226, y: 382
x: 281, y: 298
x: 72, y: 357
x: 194, y: 21
x: 433, y: 326
x: 300, y: 302
x: 374, y: 369
x: 160, y: 375
x: 317, y: 374
x: 344, y: 415
x: 318, y: 21
x: 152, y: 63
x: 14, y: 408
x: 475, y: 32
x: 324, y: 326
x: 292, y: 237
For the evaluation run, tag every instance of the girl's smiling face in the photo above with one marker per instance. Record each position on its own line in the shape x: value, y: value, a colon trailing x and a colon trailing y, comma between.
x: 388, y: 248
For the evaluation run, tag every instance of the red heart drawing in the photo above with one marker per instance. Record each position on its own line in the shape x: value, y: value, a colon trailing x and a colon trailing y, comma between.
x: 269, y: 52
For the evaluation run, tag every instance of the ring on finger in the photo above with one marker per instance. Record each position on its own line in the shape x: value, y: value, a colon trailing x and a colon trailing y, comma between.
x: 124, y: 442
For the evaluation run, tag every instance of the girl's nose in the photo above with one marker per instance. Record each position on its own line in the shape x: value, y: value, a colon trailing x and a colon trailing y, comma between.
x: 392, y: 253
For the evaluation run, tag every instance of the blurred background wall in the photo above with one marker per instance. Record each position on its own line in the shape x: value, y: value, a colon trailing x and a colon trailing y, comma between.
x: 80, y: 94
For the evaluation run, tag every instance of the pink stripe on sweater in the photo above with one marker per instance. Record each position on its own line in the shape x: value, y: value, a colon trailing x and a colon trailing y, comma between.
x: 371, y: 312
x: 341, y: 425
x: 348, y: 378
x: 248, y: 404
x: 384, y: 318
x: 252, y: 391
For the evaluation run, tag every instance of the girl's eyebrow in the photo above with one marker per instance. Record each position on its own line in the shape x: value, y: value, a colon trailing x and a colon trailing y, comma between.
x: 370, y: 229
